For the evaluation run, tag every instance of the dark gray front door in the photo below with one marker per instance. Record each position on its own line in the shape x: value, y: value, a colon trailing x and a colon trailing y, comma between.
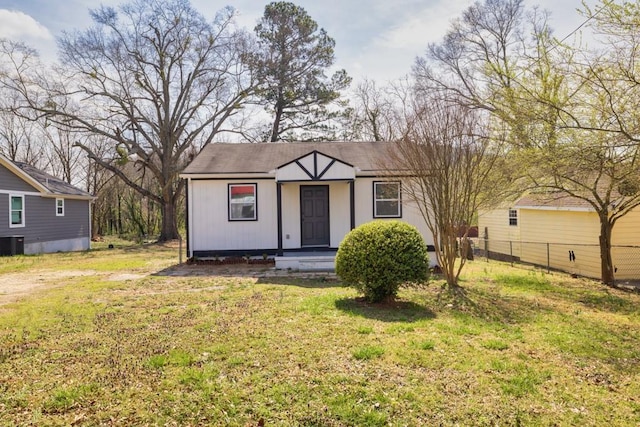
x: 314, y: 209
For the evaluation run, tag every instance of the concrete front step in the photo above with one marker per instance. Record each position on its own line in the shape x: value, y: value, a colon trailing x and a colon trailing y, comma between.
x: 306, y: 263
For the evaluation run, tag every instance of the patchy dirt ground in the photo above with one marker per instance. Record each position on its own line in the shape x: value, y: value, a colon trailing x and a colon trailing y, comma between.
x: 14, y: 286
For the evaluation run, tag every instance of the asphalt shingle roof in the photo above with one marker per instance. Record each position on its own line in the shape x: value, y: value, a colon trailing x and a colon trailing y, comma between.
x: 50, y: 182
x: 552, y: 201
x: 226, y: 158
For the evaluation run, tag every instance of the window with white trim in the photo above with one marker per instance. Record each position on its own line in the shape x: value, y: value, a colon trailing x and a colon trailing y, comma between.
x: 59, y: 207
x: 242, y: 202
x: 513, y: 217
x: 386, y: 200
x: 16, y: 211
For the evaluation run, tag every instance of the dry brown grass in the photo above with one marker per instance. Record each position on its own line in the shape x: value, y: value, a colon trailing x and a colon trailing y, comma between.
x: 127, y: 346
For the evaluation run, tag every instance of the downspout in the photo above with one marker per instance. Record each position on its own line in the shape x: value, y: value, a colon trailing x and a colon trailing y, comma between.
x: 90, y: 215
x: 279, y: 208
x: 188, y: 218
x: 352, y: 203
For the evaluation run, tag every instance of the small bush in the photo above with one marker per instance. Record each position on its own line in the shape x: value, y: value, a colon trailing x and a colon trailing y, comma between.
x: 379, y: 256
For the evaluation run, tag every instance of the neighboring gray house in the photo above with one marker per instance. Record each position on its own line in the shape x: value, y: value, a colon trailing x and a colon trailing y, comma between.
x: 51, y: 215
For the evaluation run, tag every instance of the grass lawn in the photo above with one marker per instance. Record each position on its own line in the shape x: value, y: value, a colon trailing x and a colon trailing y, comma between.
x: 105, y: 342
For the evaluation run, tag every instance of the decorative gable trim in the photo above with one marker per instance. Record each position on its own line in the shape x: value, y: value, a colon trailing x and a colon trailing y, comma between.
x: 315, y: 166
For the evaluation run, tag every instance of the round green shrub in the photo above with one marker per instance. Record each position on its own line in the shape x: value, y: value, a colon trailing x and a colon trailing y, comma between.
x: 379, y: 256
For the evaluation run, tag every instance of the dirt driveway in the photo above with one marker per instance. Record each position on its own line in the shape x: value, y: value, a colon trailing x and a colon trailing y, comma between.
x: 14, y: 286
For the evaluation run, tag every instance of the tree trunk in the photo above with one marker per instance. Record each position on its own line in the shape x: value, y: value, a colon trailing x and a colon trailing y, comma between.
x: 169, y: 230
x: 95, y: 227
x: 448, y: 257
x: 605, y: 251
x: 275, y: 130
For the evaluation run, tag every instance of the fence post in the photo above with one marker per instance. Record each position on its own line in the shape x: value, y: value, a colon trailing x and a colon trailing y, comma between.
x: 180, y: 251
x: 511, y: 251
x: 548, y: 260
x: 486, y: 243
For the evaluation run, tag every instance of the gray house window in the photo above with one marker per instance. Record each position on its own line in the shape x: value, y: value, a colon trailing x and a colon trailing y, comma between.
x: 386, y: 203
x: 16, y: 211
x: 59, y: 207
x: 513, y: 217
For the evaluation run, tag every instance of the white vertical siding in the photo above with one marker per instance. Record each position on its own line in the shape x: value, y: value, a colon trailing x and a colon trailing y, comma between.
x: 364, y: 208
x: 210, y: 229
x: 292, y: 172
x: 210, y: 225
x: 338, y: 171
x: 412, y: 215
x: 291, y: 215
x: 339, y: 212
x: 364, y: 200
x: 307, y: 162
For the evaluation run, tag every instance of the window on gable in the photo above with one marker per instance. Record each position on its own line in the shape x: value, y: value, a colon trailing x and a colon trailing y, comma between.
x: 513, y: 217
x: 59, y: 207
x: 387, y: 202
x: 242, y: 202
x: 16, y: 211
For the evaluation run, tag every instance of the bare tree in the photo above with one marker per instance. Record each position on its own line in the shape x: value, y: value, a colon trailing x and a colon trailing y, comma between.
x: 571, y: 111
x: 153, y: 78
x: 377, y: 113
x: 65, y: 159
x: 19, y: 136
x: 476, y: 55
x: 454, y: 166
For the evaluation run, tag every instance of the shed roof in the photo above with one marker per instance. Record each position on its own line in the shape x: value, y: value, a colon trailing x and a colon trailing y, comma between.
x: 238, y: 158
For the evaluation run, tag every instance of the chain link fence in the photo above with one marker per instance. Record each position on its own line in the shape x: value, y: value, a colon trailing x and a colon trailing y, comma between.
x: 577, y: 259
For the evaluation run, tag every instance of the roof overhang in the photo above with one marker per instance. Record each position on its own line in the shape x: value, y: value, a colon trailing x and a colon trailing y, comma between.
x: 213, y: 176
x: 68, y: 196
x: 556, y: 208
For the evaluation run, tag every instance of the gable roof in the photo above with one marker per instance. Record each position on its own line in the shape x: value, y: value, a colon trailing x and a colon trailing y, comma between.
x: 238, y: 158
x: 42, y: 181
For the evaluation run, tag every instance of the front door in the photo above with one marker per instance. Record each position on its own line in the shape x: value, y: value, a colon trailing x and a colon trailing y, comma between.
x: 314, y: 210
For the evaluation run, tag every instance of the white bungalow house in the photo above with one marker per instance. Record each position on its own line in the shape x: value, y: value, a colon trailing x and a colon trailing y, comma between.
x: 295, y: 201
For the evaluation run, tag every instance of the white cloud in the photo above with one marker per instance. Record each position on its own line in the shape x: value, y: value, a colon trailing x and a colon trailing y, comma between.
x: 421, y: 26
x: 17, y: 25
x: 390, y: 54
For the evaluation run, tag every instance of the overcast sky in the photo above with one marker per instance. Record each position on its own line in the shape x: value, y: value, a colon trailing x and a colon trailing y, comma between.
x: 378, y: 39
